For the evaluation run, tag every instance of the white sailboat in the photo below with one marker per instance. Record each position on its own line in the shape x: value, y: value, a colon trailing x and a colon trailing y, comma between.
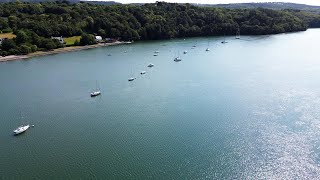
x: 208, y: 47
x: 177, y: 58
x: 224, y: 40
x: 131, y: 79
x: 194, y: 46
x: 97, y: 92
x: 238, y: 34
x: 21, y: 129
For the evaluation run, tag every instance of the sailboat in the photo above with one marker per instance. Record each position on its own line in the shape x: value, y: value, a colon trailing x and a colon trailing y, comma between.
x: 97, y: 92
x: 177, y: 58
x: 208, y: 47
x: 194, y: 46
x: 156, y: 53
x: 131, y: 79
x: 21, y: 128
x: 238, y: 34
x: 224, y: 40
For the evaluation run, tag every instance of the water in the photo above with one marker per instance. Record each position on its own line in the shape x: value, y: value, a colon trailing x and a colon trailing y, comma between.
x: 248, y: 109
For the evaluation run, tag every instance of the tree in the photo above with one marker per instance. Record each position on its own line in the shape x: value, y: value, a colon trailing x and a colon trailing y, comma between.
x: 33, y: 48
x: 102, y: 33
x: 22, y: 37
x: 3, y: 24
x: 8, y: 44
x: 24, y: 49
x: 76, y: 42
x: 48, y: 44
x: 87, y: 39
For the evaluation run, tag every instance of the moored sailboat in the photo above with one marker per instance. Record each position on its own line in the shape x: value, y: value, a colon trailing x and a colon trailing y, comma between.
x: 97, y: 92
x: 238, y: 34
x: 21, y: 129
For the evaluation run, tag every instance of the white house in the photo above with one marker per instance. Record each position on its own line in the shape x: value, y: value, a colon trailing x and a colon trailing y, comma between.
x: 98, y: 38
x: 59, y: 38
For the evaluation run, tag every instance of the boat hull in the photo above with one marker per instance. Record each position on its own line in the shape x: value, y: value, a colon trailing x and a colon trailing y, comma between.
x: 20, y: 130
x: 95, y: 94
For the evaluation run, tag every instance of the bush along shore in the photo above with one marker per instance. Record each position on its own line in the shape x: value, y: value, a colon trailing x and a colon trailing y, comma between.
x: 37, y: 27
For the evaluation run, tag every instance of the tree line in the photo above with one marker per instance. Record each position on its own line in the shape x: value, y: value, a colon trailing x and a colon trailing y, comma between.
x: 35, y: 23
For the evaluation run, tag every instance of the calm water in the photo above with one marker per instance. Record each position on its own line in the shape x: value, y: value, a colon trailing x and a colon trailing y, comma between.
x: 249, y: 109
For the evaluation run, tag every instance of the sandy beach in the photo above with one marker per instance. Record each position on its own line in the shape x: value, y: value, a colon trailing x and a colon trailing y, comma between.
x: 56, y: 51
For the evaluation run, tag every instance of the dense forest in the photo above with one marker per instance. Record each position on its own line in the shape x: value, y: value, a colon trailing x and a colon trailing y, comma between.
x: 269, y: 5
x: 35, y: 23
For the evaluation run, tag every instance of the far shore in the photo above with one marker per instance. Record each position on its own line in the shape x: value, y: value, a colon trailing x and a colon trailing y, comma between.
x: 57, y: 51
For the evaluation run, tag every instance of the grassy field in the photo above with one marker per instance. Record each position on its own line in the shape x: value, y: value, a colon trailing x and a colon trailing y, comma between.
x: 71, y: 40
x: 7, y: 35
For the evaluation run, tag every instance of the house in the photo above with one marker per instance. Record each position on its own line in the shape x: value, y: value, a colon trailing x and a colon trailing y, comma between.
x: 60, y: 39
x: 98, y: 38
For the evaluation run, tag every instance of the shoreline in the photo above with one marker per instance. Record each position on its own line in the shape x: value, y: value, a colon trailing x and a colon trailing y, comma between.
x: 58, y: 51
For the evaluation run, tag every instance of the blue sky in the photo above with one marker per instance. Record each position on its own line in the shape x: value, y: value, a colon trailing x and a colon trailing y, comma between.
x: 310, y: 2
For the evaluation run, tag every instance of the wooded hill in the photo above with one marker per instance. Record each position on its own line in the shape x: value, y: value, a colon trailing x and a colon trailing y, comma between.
x: 35, y: 23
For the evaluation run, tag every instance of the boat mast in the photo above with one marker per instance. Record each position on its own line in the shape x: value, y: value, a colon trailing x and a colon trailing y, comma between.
x: 238, y: 34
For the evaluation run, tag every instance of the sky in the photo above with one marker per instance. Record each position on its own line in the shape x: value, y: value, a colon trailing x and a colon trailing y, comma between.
x: 309, y: 2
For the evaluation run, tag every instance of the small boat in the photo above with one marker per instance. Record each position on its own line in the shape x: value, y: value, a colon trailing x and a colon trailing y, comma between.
x: 142, y: 72
x: 109, y: 54
x: 207, y: 49
x: 194, y: 46
x: 95, y: 93
x: 150, y: 65
x: 185, y: 52
x: 21, y: 129
x: 155, y: 54
x: 131, y: 79
x: 177, y: 59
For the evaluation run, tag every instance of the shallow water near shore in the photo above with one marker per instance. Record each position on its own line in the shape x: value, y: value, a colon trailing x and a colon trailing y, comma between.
x: 248, y: 109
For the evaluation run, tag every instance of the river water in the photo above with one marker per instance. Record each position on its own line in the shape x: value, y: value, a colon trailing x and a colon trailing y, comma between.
x: 247, y: 109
